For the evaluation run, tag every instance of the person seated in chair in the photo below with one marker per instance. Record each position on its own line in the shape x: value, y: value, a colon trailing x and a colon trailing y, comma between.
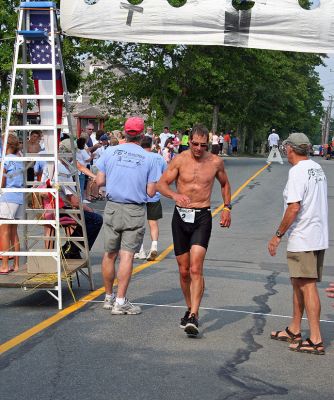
x: 93, y: 220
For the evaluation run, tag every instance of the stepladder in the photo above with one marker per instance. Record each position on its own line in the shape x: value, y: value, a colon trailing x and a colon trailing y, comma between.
x: 40, y: 214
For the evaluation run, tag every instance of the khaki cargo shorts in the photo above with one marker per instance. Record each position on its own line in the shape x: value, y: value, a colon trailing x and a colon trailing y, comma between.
x: 306, y: 264
x: 124, y: 226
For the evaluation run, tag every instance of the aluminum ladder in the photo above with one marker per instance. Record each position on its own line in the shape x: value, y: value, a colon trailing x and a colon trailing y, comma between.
x: 24, y: 37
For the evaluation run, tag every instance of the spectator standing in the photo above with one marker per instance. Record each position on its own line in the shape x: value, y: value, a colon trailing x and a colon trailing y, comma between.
x: 153, y: 206
x: 226, y: 143
x: 221, y: 142
x: 234, y: 144
x: 168, y: 151
x: 184, y: 141
x: 84, y: 157
x: 305, y: 221
x: 166, y: 134
x: 149, y: 132
x: 11, y: 204
x: 130, y: 175
x: 215, y: 144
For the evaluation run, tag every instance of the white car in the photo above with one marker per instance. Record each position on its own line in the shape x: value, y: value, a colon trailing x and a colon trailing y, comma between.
x: 316, y: 149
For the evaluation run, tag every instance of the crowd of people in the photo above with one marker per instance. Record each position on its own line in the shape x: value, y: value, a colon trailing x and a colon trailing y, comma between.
x: 153, y: 164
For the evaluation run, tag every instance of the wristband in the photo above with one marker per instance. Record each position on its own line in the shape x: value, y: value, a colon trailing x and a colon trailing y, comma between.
x: 226, y: 209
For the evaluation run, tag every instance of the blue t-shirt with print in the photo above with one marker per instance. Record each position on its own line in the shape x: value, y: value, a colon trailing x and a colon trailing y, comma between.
x: 128, y: 169
x: 162, y: 166
x: 14, y: 179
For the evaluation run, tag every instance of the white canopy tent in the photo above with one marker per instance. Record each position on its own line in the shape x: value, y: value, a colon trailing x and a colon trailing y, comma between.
x: 269, y: 24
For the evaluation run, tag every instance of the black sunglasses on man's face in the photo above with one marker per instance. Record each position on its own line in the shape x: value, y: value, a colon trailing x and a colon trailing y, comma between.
x: 196, y: 144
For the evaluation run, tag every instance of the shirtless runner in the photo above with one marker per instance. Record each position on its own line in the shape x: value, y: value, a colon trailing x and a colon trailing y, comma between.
x: 194, y: 172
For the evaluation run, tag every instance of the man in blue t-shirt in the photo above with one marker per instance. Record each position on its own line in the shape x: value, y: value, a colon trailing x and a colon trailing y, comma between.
x: 153, y: 206
x: 129, y: 174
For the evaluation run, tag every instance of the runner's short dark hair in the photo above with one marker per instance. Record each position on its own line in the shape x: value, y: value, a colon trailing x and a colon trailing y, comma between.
x: 199, y: 130
x: 146, y: 143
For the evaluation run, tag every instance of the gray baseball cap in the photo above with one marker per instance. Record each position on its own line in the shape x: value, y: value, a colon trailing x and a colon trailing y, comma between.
x: 297, y: 139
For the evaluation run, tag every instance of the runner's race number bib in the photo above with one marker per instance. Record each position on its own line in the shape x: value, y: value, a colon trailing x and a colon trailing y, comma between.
x: 187, y: 214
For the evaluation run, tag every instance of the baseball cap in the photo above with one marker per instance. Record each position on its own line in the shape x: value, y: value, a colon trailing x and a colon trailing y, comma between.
x: 104, y: 137
x: 134, y: 126
x: 297, y: 139
x: 65, y: 146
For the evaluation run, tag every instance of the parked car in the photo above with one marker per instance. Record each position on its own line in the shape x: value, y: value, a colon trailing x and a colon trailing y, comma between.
x: 316, y: 150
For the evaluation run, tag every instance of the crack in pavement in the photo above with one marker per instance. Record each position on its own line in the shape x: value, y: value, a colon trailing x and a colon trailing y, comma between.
x: 249, y: 387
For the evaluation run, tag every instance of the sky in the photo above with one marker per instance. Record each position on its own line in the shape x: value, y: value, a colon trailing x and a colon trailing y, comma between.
x: 327, y: 77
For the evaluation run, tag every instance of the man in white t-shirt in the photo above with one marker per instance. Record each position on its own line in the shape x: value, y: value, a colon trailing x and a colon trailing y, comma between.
x: 305, y: 221
x: 164, y: 136
x: 273, y: 139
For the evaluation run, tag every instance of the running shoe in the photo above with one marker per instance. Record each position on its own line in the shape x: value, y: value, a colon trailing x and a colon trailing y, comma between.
x: 108, y: 303
x: 191, y: 327
x: 126, y: 308
x: 86, y: 201
x: 140, y: 256
x: 152, y: 255
x: 184, y: 320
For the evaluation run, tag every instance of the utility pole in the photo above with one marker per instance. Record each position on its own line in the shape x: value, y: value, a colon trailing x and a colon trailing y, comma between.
x: 327, y: 122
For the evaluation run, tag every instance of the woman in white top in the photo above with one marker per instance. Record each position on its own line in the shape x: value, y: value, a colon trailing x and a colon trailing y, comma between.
x: 84, y: 157
x: 215, y: 144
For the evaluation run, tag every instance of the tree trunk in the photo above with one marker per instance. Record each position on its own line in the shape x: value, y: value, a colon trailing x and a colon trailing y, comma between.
x: 215, y: 118
x: 170, y: 110
x: 251, y: 144
x: 242, y: 136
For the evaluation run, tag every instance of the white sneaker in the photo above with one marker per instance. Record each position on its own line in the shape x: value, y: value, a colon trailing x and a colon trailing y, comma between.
x: 140, y: 256
x: 126, y: 308
x: 86, y: 201
x: 108, y: 303
x: 152, y: 255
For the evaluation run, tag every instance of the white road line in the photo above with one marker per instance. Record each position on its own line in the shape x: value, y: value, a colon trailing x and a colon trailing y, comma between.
x: 216, y: 309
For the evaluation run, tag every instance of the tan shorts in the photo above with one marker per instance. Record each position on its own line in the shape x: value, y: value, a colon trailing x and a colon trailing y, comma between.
x: 124, y: 226
x: 306, y: 264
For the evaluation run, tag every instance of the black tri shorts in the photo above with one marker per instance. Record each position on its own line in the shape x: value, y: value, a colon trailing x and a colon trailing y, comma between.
x: 186, y: 234
x: 154, y: 210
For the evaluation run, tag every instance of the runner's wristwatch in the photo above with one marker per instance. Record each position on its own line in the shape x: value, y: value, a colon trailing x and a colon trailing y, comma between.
x: 229, y: 206
x: 279, y: 234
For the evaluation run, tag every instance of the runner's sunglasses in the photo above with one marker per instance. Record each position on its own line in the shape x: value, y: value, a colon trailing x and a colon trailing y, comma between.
x: 196, y: 144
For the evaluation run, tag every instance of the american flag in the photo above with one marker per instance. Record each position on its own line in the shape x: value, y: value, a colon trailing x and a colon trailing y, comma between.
x: 40, y: 53
x: 40, y: 50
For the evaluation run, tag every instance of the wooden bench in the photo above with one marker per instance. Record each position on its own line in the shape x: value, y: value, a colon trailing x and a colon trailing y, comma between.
x: 25, y: 280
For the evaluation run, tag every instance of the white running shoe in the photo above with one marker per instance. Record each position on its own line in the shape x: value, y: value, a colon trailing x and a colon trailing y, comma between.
x: 86, y: 201
x: 108, y: 303
x: 152, y: 255
x: 140, y: 256
x: 126, y: 308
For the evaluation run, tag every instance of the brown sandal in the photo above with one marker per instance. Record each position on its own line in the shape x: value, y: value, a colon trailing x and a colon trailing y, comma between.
x: 309, y: 347
x: 291, y: 337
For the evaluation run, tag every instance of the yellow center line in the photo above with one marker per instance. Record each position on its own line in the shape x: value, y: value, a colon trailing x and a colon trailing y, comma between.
x: 15, y: 341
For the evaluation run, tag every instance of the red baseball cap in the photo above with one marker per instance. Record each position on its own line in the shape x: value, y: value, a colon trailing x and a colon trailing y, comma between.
x: 134, y: 126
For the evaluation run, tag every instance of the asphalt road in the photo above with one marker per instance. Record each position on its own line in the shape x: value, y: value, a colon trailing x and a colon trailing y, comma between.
x: 93, y: 355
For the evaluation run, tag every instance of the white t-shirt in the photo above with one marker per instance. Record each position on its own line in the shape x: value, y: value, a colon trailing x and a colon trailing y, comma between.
x: 98, y: 153
x: 215, y: 139
x: 273, y: 139
x: 163, y: 137
x: 83, y: 157
x: 307, y: 184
